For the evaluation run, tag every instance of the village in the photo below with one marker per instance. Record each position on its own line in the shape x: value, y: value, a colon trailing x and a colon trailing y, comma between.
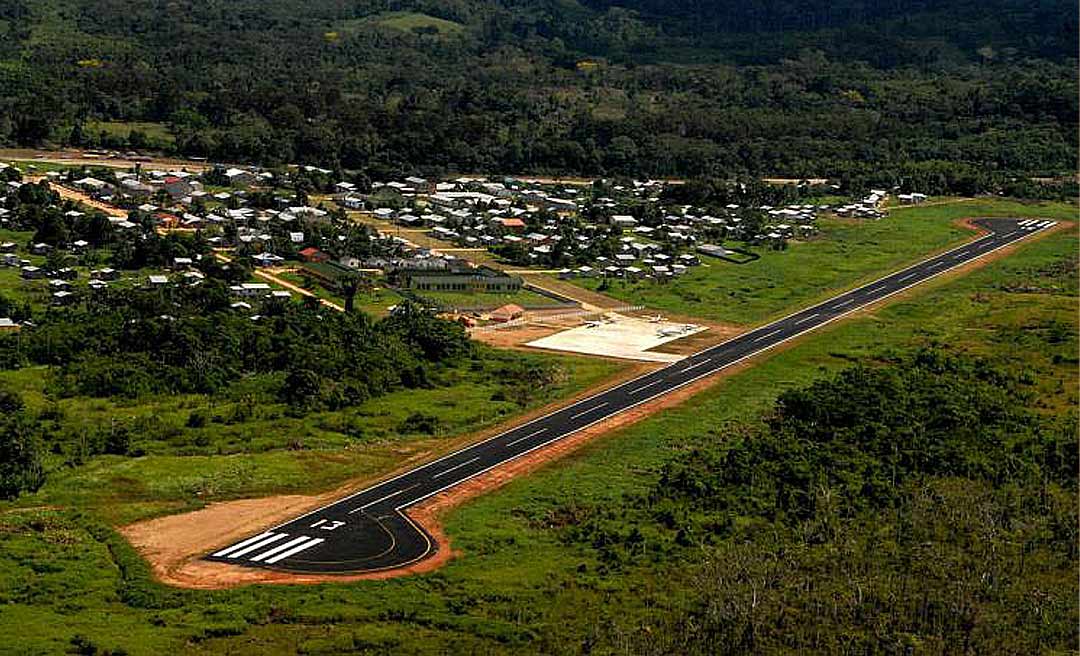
x: 481, y: 250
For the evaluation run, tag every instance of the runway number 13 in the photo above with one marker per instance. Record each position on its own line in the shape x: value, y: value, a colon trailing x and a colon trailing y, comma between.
x: 328, y: 524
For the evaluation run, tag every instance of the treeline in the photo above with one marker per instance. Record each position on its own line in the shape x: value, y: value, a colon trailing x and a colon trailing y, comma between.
x: 188, y: 340
x: 857, y: 90
x: 918, y: 505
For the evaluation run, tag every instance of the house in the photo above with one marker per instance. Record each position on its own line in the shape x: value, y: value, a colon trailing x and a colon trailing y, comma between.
x: 7, y: 325
x: 352, y: 202
x: 312, y: 254
x: 251, y: 289
x: 482, y: 279
x: 105, y: 274
x: 267, y: 259
x: 32, y: 273
x: 239, y: 177
x: 157, y: 280
x: 63, y: 297
x: 623, y: 221
x: 511, y: 225
x: 90, y: 184
x: 176, y: 187
x: 506, y: 313
x: 912, y: 198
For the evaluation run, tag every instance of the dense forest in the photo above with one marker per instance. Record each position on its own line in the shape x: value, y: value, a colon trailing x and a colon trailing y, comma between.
x: 920, y: 505
x: 977, y: 92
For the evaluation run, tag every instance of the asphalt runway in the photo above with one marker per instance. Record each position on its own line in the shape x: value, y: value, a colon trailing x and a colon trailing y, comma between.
x: 369, y: 531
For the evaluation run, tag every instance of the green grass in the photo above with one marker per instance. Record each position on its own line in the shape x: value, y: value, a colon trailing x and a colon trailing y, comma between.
x: 845, y: 253
x: 157, y: 135
x: 411, y: 21
x: 402, y: 21
x: 517, y: 586
x: 249, y: 443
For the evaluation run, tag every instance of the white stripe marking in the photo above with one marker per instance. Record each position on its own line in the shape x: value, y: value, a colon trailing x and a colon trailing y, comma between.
x: 447, y: 471
x: 909, y: 276
x: 961, y: 254
x: 843, y: 303
x: 768, y: 335
x: 588, y: 411
x: 521, y: 439
x: 295, y: 550
x: 875, y: 289
x: 678, y: 385
x: 646, y: 386
x: 695, y: 366
x: 280, y: 547
x: 805, y: 319
x: 241, y: 545
x: 936, y: 265
x: 392, y: 494
x: 258, y: 545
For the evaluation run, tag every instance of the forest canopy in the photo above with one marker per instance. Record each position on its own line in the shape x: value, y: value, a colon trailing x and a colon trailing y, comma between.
x: 641, y: 87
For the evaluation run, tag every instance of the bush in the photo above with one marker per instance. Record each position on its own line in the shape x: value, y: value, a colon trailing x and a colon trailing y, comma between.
x: 418, y: 422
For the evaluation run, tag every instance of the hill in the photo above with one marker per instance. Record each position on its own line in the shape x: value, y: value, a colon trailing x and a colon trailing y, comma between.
x: 641, y: 87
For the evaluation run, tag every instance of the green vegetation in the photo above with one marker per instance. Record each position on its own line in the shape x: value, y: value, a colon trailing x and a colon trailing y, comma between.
x: 418, y: 23
x: 134, y: 134
x: 584, y: 555
x: 845, y: 253
x: 965, y: 96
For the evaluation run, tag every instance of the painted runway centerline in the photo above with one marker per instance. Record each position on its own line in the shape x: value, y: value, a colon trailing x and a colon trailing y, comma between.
x: 386, y: 537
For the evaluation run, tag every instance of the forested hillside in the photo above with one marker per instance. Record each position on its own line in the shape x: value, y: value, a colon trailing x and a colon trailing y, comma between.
x: 638, y: 87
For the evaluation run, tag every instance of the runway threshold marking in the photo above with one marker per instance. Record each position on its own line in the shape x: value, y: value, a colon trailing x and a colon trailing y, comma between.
x: 280, y: 548
x: 447, y: 471
x: 240, y: 545
x: 391, y: 495
x: 585, y: 412
x: 258, y: 545
x: 521, y: 439
x: 295, y: 550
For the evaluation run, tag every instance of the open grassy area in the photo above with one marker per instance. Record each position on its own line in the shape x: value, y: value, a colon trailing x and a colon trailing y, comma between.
x: 194, y: 448
x: 519, y: 585
x: 157, y: 135
x: 847, y: 252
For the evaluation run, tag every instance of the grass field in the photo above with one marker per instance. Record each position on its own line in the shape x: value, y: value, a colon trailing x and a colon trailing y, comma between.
x: 846, y: 252
x: 157, y: 135
x: 68, y: 581
x: 247, y: 443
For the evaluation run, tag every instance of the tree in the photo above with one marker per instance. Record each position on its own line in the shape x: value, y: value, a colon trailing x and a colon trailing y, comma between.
x: 21, y: 467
